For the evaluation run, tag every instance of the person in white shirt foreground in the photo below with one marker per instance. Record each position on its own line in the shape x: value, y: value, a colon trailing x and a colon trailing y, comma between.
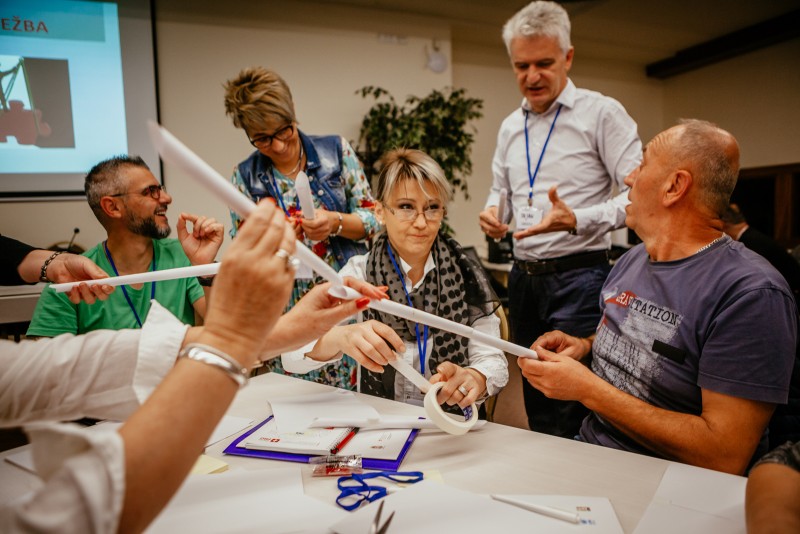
x: 422, y: 267
x: 109, y: 481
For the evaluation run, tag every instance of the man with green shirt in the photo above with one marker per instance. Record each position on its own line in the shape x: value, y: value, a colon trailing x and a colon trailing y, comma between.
x: 132, y: 207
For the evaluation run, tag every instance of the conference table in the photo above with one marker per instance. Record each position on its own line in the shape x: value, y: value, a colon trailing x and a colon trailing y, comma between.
x: 494, y: 459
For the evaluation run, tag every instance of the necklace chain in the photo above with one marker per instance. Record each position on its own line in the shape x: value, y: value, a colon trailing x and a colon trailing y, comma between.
x: 704, y: 247
x: 299, y: 161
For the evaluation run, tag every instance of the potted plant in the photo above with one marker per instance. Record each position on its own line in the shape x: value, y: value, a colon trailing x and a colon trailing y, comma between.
x: 438, y: 124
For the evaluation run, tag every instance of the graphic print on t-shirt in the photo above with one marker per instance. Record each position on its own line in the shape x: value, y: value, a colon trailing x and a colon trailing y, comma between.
x: 626, y: 358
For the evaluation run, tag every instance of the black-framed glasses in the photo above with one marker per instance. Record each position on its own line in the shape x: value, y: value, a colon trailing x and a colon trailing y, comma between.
x: 265, y: 141
x: 409, y: 214
x: 153, y: 190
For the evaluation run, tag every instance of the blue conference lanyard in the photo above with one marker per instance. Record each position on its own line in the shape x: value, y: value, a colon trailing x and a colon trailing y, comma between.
x: 422, y: 346
x: 532, y: 177
x: 124, y: 291
x: 273, y: 188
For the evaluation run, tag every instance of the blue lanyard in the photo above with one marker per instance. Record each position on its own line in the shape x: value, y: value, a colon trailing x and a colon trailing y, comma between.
x: 354, y: 490
x: 422, y: 346
x: 532, y: 177
x: 273, y: 188
x: 124, y: 291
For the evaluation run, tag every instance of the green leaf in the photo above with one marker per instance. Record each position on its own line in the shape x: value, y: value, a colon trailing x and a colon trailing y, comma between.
x: 438, y: 124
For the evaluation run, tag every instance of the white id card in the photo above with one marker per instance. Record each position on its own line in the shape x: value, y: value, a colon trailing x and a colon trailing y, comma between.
x: 529, y: 216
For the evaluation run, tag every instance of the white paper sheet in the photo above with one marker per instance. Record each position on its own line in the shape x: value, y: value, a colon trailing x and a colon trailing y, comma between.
x: 294, y: 414
x: 597, y: 513
x: 228, y: 426
x: 383, y: 444
x: 266, y: 500
x: 694, y: 500
x: 429, y: 507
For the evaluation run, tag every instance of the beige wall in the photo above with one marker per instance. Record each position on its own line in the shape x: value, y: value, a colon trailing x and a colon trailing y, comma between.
x: 327, y: 59
x: 324, y: 68
x: 755, y: 96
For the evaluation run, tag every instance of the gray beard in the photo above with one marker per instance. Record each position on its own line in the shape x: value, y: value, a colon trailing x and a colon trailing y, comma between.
x: 147, y: 227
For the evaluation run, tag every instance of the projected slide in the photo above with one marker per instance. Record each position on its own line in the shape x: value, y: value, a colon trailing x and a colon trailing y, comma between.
x: 62, y: 101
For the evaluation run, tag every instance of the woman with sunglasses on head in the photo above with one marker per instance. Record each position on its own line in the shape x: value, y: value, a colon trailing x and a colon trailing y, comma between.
x: 428, y: 270
x: 259, y: 102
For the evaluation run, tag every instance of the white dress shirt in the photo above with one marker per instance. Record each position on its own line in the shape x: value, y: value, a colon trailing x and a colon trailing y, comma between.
x: 593, y: 147
x: 104, y: 374
x: 489, y: 361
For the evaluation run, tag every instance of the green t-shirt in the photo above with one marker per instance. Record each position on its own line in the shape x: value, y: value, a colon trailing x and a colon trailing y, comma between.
x: 56, y: 315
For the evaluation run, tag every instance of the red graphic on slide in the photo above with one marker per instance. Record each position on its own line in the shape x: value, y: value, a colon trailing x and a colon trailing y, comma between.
x: 36, y: 102
x: 24, y: 124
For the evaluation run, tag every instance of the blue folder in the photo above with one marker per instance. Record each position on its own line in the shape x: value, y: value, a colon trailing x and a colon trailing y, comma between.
x: 367, y: 463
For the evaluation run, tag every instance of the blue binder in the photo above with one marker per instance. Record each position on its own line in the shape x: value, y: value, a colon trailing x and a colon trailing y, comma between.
x: 367, y: 463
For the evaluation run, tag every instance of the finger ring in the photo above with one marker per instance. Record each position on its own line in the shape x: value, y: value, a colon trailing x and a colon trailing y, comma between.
x: 291, y: 261
x: 464, y: 391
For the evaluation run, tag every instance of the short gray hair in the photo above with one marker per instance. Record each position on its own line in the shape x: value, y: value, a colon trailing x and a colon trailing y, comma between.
x: 104, y: 179
x: 537, y: 19
x: 712, y: 154
x: 410, y: 164
x: 258, y: 97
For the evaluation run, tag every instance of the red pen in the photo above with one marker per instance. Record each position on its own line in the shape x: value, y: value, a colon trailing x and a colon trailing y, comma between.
x: 341, y: 444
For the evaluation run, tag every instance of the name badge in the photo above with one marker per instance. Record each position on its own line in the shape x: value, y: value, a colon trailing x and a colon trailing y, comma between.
x: 529, y: 216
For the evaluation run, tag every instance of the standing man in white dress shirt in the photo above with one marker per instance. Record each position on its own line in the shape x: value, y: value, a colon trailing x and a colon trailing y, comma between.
x: 560, y: 157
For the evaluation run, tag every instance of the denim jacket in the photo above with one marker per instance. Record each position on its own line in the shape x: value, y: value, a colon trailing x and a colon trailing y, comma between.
x: 324, y: 170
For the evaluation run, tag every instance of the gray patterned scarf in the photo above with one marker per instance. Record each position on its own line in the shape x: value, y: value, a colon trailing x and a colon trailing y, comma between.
x: 457, y: 288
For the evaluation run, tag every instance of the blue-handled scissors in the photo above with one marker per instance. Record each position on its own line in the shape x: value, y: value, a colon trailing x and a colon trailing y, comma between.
x: 354, y: 490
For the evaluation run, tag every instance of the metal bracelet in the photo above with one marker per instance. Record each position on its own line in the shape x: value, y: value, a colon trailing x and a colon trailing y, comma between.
x: 216, y: 358
x: 43, y: 273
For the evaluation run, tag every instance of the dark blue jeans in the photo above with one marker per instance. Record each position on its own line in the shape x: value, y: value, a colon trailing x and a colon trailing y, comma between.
x: 568, y: 301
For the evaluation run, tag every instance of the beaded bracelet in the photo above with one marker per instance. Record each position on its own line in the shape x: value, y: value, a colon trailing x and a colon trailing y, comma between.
x: 43, y: 273
x: 216, y: 358
x: 338, y: 230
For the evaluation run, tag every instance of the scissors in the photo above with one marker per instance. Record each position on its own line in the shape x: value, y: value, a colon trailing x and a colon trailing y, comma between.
x: 376, y: 527
x: 354, y: 490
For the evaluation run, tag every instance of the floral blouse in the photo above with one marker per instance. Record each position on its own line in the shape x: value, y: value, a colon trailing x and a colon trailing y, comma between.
x: 342, y: 374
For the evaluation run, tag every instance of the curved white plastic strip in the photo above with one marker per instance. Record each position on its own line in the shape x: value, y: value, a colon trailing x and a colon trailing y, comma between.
x: 181, y: 156
x: 414, y: 376
x: 419, y: 316
x: 501, y: 206
x: 432, y: 408
x: 385, y: 422
x: 443, y: 420
x: 140, y: 278
x: 303, y: 188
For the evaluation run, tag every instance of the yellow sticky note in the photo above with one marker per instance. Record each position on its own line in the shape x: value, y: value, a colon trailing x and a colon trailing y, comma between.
x: 206, y: 465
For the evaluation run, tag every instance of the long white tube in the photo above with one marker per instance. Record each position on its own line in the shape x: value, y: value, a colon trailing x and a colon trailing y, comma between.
x: 140, y: 278
x: 175, y: 152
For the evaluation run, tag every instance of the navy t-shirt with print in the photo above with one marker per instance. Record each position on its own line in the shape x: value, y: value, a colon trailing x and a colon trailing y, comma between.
x: 723, y: 319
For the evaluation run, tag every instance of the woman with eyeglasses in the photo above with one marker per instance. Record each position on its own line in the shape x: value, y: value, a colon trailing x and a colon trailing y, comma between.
x: 428, y: 270
x: 259, y: 102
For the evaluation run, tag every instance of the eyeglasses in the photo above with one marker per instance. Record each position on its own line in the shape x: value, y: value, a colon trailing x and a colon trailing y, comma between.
x: 153, y: 190
x: 408, y: 214
x: 265, y: 141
